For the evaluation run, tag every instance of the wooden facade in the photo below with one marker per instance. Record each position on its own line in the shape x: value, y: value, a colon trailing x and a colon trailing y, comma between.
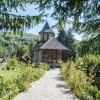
x: 48, y: 56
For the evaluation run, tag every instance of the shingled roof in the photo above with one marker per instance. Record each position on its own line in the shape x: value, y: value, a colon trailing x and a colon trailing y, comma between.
x: 52, y: 43
x: 46, y: 28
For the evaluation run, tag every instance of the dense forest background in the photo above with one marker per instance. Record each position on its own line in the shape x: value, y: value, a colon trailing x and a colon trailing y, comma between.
x: 16, y: 45
x: 23, y: 44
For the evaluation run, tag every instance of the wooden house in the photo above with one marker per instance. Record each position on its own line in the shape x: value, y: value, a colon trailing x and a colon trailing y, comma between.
x: 49, y: 49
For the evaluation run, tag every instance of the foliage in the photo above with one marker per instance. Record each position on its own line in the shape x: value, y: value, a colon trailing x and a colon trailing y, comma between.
x: 17, y: 80
x: 84, y: 47
x: 43, y: 66
x: 1, y: 51
x: 93, y: 90
x: 12, y: 63
x: 88, y: 64
x: 67, y: 39
x: 98, y: 95
x: 78, y: 82
x: 83, y: 14
x: 66, y: 69
x: 16, y: 23
x: 14, y: 41
x: 22, y: 50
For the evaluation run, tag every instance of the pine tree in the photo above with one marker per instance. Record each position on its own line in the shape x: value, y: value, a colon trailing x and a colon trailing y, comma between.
x: 67, y: 39
x: 16, y: 24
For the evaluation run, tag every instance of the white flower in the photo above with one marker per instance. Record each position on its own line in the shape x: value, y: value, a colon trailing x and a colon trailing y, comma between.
x: 80, y: 58
x: 79, y: 67
x: 81, y: 63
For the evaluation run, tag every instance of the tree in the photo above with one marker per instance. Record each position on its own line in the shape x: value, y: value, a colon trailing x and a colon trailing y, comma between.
x: 85, y: 14
x: 16, y: 23
x: 83, y: 48
x: 22, y: 50
x: 2, y: 51
x: 67, y: 39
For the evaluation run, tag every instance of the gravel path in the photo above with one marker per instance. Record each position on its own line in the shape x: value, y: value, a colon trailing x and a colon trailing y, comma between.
x: 49, y: 87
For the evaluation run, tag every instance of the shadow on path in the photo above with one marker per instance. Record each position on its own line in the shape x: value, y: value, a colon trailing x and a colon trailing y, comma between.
x: 64, y: 89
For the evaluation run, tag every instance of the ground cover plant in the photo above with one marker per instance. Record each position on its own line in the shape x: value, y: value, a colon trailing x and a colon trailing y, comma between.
x: 16, y: 78
x: 43, y: 66
x: 79, y: 81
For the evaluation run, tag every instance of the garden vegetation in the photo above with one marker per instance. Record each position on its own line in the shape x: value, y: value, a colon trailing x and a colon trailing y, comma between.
x: 80, y: 76
x: 17, y: 76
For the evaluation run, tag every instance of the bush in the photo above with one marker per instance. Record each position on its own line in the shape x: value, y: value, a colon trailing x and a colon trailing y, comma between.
x: 66, y: 69
x: 87, y: 97
x: 98, y: 95
x: 11, y: 64
x: 93, y: 90
x: 43, y: 66
x: 88, y: 63
x: 78, y: 82
x: 17, y: 80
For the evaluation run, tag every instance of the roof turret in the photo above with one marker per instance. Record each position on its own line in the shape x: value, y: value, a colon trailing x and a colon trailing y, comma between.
x: 46, y: 28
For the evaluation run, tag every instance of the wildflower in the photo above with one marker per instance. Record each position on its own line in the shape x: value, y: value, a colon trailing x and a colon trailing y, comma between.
x: 81, y: 63
x: 87, y: 77
x: 80, y: 58
x: 90, y: 74
x: 79, y: 67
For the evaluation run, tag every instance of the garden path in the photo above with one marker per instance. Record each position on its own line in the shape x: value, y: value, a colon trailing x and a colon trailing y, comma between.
x: 49, y: 87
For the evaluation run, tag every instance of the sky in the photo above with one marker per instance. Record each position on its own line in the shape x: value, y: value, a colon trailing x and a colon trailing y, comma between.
x: 30, y: 10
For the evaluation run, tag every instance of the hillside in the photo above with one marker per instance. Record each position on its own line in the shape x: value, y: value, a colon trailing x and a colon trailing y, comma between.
x: 10, y: 39
x: 16, y: 40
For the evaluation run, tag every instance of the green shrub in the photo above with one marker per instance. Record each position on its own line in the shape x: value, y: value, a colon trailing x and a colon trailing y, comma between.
x: 88, y: 63
x: 11, y: 64
x: 98, y: 95
x: 93, y: 90
x: 77, y: 79
x: 17, y: 80
x: 87, y: 97
x: 43, y: 66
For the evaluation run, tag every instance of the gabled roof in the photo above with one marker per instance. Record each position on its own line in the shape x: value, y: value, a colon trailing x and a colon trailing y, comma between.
x: 52, y: 43
x: 46, y: 28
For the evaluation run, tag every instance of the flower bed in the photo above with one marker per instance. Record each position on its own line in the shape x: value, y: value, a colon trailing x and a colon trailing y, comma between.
x: 79, y: 82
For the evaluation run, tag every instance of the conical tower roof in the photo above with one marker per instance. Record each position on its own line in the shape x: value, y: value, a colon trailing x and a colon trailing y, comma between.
x: 46, y: 28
